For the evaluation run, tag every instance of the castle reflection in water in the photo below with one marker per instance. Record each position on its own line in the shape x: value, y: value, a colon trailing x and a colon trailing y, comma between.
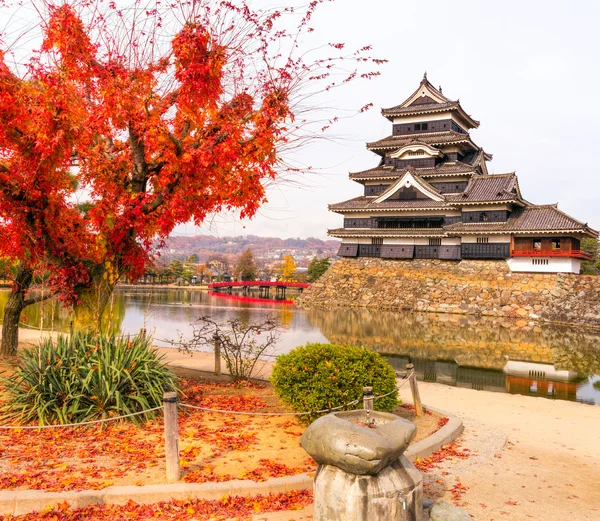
x: 476, y: 352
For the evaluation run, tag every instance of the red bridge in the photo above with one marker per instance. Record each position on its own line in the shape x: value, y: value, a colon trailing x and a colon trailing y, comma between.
x: 264, y: 288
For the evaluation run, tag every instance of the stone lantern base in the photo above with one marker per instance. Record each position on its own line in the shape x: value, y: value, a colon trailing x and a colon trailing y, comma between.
x: 394, y: 494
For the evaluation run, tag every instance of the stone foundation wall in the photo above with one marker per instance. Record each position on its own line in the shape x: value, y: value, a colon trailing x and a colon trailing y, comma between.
x: 466, y: 287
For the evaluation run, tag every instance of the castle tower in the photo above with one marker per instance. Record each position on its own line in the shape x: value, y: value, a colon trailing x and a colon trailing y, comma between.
x: 431, y: 197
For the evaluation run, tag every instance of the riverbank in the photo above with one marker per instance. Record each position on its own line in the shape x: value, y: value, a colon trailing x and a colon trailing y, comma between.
x: 467, y: 287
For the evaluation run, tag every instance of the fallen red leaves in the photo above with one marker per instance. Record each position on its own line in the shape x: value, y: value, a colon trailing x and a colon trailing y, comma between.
x: 446, y: 452
x: 442, y: 421
x: 241, y: 508
x: 213, y: 447
x: 457, y: 491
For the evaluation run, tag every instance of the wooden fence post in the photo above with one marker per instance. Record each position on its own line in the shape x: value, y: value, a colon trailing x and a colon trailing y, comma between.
x: 171, y: 437
x: 217, y: 356
x: 368, y: 398
x: 414, y: 389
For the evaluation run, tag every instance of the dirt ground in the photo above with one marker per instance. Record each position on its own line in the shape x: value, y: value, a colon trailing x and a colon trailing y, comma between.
x: 530, y: 458
x: 213, y: 446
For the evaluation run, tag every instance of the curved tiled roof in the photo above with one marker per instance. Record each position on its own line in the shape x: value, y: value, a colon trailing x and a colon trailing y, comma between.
x: 447, y: 168
x: 432, y: 138
x: 419, y: 108
x: 489, y: 188
x: 368, y: 203
x: 530, y: 219
x: 386, y: 232
x: 429, y: 108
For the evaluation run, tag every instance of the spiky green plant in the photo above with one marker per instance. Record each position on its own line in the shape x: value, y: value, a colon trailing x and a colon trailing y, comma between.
x: 85, y: 377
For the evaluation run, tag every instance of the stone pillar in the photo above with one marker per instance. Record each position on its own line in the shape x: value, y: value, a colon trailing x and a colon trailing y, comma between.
x: 362, y: 474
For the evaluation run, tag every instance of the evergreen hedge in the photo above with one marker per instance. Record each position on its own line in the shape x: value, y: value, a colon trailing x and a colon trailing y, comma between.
x: 321, y: 376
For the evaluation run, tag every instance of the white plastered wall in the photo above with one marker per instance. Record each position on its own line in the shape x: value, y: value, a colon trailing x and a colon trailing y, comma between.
x: 553, y: 265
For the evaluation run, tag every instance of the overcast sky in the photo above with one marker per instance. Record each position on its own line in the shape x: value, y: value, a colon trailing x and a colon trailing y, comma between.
x: 529, y: 71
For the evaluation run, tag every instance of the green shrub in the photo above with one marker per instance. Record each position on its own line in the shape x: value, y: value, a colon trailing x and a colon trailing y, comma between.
x: 320, y: 376
x: 85, y: 377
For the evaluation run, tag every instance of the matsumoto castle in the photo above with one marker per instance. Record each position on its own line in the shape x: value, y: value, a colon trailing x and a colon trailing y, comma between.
x: 431, y: 197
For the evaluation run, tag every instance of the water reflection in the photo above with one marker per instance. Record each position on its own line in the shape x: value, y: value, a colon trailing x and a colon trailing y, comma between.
x: 481, y: 353
x: 477, y: 352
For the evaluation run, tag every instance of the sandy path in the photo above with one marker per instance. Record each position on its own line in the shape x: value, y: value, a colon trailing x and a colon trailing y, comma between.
x: 549, y: 469
x: 533, y: 459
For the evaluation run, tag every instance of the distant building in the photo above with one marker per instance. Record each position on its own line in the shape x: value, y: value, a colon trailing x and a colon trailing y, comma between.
x: 431, y: 197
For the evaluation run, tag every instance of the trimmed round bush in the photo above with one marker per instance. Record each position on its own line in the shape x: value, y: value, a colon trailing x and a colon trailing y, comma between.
x: 321, y: 376
x: 85, y: 377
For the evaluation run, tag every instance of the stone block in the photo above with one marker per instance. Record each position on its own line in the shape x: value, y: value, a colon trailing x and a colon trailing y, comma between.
x: 444, y: 511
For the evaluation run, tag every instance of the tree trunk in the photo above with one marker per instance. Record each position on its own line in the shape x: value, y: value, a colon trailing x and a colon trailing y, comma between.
x: 87, y: 314
x: 12, y: 312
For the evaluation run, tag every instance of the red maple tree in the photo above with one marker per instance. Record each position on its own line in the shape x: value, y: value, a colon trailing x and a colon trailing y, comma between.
x: 182, y: 110
x: 41, y: 230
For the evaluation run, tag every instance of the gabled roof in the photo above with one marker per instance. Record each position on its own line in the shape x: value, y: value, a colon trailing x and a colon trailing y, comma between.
x: 427, y: 99
x: 449, y: 137
x: 410, y: 179
x: 529, y: 219
x: 489, y: 188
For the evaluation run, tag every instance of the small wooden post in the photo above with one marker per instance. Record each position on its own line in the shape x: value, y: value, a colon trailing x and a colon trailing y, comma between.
x: 414, y: 389
x: 217, y: 356
x: 171, y: 437
x: 368, y: 398
x: 143, y: 333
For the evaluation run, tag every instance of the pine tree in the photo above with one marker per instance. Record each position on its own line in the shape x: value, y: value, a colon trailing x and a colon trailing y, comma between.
x: 317, y: 267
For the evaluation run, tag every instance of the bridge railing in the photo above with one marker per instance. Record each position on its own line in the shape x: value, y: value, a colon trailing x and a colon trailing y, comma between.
x: 257, y: 283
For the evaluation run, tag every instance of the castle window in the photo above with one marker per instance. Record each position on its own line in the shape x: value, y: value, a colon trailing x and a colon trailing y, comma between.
x: 435, y: 242
x: 417, y: 126
x: 556, y: 244
x: 483, y: 216
x: 377, y: 240
x: 482, y: 240
x: 537, y: 244
x: 423, y: 126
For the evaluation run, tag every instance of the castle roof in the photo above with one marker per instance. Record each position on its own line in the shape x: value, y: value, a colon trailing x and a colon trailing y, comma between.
x: 529, y: 219
x: 427, y: 100
x: 447, y: 137
x: 368, y: 203
x: 489, y: 188
x: 442, y: 169
x: 386, y: 232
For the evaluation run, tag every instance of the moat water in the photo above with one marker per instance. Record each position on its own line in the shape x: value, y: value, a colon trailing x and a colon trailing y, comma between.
x: 549, y: 361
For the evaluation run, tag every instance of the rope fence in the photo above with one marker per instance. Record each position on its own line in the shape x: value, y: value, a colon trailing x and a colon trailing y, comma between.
x: 171, y: 407
x: 205, y: 409
x: 250, y: 413
x: 81, y: 424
